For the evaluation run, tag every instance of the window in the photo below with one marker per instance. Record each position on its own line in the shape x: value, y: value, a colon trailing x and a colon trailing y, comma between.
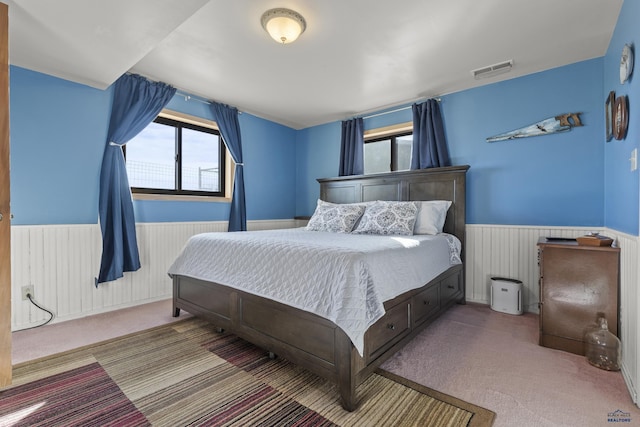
x: 176, y: 158
x: 388, y: 153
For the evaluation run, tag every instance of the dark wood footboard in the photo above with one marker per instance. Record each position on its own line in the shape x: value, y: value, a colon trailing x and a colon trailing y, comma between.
x: 311, y: 341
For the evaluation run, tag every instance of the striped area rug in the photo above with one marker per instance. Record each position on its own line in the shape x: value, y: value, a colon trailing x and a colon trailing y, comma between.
x: 186, y: 374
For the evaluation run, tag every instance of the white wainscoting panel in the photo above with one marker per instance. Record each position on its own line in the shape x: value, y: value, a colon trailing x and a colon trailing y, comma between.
x: 629, y: 303
x: 507, y: 251
x: 62, y: 261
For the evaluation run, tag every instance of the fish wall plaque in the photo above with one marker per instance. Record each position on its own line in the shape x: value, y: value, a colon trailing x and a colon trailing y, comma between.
x: 561, y: 123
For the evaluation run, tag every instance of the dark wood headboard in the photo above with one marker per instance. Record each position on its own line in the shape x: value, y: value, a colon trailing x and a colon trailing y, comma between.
x: 447, y: 183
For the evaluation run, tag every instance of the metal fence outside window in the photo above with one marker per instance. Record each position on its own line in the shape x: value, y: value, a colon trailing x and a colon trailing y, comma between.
x: 156, y: 175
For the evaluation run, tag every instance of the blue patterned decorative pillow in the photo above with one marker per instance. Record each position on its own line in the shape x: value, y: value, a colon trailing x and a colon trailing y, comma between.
x: 335, y: 218
x: 388, y: 218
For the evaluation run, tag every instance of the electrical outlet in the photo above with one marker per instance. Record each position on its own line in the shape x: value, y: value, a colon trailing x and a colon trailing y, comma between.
x: 27, y: 290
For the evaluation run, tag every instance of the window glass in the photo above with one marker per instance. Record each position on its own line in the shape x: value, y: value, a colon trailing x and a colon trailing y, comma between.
x: 404, y: 145
x: 151, y: 158
x: 200, y: 170
x: 386, y: 154
x: 377, y: 156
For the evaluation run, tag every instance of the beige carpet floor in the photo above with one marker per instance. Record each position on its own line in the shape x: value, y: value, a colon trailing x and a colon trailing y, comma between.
x: 484, y: 357
x: 30, y: 344
x: 493, y: 360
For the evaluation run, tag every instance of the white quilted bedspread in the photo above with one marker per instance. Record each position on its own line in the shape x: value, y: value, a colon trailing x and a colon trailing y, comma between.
x: 344, y: 278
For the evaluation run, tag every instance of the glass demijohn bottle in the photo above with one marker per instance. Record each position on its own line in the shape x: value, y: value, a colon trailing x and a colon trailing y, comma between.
x: 603, y: 349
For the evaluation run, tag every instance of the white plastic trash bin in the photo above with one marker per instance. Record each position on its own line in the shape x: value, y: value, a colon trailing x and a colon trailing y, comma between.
x: 506, y: 295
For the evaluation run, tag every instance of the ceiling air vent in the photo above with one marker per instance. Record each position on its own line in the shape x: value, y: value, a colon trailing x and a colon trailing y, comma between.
x: 493, y: 70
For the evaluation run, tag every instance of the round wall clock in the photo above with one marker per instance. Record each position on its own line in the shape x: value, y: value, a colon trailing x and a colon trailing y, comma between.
x: 626, y: 63
x: 620, y: 118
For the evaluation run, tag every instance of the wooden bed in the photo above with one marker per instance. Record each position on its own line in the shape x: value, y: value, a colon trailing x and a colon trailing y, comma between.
x: 318, y: 344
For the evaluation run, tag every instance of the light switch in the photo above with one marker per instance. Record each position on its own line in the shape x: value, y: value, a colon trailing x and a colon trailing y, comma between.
x: 634, y: 159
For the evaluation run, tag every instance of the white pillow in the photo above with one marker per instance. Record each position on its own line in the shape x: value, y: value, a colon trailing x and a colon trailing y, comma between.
x: 388, y: 218
x: 431, y: 216
x: 335, y: 218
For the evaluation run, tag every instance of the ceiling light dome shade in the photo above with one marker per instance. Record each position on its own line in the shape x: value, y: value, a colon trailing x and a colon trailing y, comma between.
x: 283, y: 25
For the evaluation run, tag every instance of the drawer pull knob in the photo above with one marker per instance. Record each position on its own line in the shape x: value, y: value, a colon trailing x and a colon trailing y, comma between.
x: 451, y: 287
x: 427, y: 302
x: 391, y: 326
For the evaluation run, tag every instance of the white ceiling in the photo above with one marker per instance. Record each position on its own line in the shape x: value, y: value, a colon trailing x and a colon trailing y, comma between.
x: 356, y: 56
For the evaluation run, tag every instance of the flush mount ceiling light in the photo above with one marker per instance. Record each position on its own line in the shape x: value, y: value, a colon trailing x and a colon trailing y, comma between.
x: 493, y: 70
x: 283, y: 25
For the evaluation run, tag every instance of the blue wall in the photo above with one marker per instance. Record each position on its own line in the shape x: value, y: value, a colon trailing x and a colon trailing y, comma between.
x: 550, y: 180
x: 621, y: 187
x: 547, y: 180
x: 58, y: 133
x: 58, y: 129
x: 317, y: 156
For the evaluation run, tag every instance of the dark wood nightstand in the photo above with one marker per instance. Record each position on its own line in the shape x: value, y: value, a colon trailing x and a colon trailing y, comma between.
x: 577, y: 284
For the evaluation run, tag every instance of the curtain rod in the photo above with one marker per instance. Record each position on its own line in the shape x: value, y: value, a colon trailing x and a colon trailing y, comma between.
x: 385, y: 112
x: 189, y: 98
x: 391, y: 111
x: 179, y: 92
x: 186, y: 96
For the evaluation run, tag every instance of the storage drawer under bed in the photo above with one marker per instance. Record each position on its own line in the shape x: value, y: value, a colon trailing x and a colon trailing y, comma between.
x: 387, y: 330
x: 450, y: 289
x: 426, y: 304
